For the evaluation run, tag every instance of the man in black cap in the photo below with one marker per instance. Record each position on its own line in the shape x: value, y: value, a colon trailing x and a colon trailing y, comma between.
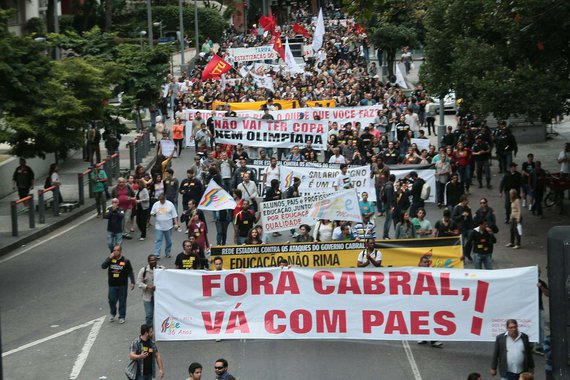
x: 511, y: 180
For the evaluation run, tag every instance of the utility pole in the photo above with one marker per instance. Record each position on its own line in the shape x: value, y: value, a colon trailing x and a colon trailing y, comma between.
x: 196, y: 33
x: 181, y: 17
x: 56, y: 51
x: 149, y: 22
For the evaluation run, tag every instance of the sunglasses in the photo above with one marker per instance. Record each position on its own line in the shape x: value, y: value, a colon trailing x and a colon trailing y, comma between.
x: 218, y: 367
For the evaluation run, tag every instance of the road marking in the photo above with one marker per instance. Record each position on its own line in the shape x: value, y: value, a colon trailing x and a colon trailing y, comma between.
x: 82, y: 357
x: 10, y: 257
x: 48, y: 338
x: 411, y: 360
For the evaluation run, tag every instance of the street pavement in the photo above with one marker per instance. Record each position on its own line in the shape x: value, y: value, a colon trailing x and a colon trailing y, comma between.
x: 55, y: 285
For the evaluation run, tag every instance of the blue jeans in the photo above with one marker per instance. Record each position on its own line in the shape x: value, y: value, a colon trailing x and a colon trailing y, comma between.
x: 465, y: 175
x: 387, y: 222
x: 167, y: 236
x: 113, y: 239
x: 149, y: 311
x: 118, y: 294
x: 505, y: 160
x: 483, y: 259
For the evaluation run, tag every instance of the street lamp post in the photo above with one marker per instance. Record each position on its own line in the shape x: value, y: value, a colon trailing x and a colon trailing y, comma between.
x: 149, y: 22
x: 196, y: 35
x: 159, y: 26
x: 142, y: 33
x: 181, y: 17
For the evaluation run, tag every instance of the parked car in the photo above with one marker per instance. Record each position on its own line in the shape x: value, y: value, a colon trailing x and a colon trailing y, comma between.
x: 449, y: 102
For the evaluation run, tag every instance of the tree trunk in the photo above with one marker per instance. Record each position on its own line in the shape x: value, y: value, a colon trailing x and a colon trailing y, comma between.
x: 390, y: 58
x: 108, y: 15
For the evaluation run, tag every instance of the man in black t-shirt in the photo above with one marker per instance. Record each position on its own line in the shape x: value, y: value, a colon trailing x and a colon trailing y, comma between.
x: 243, y: 222
x: 143, y: 350
x: 190, y: 257
x: 119, y: 271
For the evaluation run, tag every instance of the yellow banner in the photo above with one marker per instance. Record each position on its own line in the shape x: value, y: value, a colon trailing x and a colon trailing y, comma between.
x: 256, y: 106
x: 331, y: 103
x: 443, y: 252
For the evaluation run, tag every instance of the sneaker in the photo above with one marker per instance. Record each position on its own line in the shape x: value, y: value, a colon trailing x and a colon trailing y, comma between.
x: 422, y: 341
x: 141, y: 239
x: 509, y: 245
x: 437, y: 344
x: 121, y: 320
x: 529, y: 207
x: 168, y: 256
x: 128, y: 237
x: 112, y: 319
x: 538, y: 351
x: 516, y: 247
x: 524, y: 203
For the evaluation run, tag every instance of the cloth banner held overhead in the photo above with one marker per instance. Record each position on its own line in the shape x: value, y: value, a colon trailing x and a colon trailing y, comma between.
x: 263, y: 81
x: 360, y: 303
x: 271, y: 133
x: 215, y: 198
x: 285, y: 214
x: 293, y: 66
x: 342, y: 205
x: 258, y: 53
x: 279, y: 104
x: 445, y: 252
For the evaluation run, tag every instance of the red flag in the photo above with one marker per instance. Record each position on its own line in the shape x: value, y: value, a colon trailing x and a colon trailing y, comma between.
x: 216, y: 67
x: 278, y: 45
x: 268, y: 22
x: 300, y: 29
x: 358, y: 29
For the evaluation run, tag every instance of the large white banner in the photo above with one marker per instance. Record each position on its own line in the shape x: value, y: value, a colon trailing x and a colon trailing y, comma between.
x: 338, y: 206
x: 337, y: 303
x: 271, y: 133
x: 428, y: 175
x: 322, y: 180
x: 258, y: 53
x: 286, y: 214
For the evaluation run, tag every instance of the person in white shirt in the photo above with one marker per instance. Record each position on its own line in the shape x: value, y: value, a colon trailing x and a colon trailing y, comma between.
x: 412, y: 120
x: 249, y: 191
x: 369, y: 255
x: 343, y: 179
x: 166, y: 219
x: 564, y: 160
x: 337, y: 158
x: 270, y: 173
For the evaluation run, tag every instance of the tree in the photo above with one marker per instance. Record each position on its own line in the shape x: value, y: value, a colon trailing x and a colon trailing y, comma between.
x: 503, y: 58
x: 393, y: 24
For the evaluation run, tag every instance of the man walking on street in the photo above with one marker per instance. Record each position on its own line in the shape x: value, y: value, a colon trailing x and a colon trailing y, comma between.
x: 23, y: 179
x: 166, y: 219
x: 98, y: 178
x: 145, y: 353
x: 512, y: 354
x: 511, y: 180
x: 145, y: 281
x: 119, y: 271
x: 115, y: 218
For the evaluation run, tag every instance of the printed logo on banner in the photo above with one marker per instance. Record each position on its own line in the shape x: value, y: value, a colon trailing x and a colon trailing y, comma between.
x: 173, y: 326
x: 291, y: 176
x: 212, y: 196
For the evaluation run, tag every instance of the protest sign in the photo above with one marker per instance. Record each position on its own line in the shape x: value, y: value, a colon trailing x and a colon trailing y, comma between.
x: 258, y: 53
x: 421, y: 143
x: 342, y: 205
x: 361, y: 303
x: 443, y: 252
x: 166, y: 147
x: 215, y: 198
x: 286, y: 214
x: 271, y: 133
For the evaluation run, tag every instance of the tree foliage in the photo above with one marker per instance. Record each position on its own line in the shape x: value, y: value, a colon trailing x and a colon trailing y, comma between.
x: 501, y: 57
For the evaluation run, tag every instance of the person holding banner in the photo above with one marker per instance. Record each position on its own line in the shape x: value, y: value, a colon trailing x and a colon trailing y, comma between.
x: 369, y: 255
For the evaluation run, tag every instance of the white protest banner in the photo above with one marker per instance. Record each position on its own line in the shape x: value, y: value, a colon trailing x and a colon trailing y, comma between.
x: 322, y: 179
x: 262, y: 81
x: 271, y: 133
x: 421, y: 143
x: 258, y: 53
x: 308, y: 51
x: 215, y: 198
x: 166, y: 148
x: 286, y: 214
x: 342, y: 205
x: 319, y: 32
x: 336, y: 303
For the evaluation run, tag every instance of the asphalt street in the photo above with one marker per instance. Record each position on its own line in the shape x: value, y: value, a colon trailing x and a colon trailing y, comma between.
x: 53, y: 297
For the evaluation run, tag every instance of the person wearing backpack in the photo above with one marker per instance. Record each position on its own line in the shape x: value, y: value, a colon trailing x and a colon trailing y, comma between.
x: 145, y: 281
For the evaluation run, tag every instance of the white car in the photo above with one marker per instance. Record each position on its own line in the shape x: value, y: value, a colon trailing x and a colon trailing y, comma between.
x: 449, y: 102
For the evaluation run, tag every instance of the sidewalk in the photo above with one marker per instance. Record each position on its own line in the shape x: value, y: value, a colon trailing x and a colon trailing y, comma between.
x: 68, y: 173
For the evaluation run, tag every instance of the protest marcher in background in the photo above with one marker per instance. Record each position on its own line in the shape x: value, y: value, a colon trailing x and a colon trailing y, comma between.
x: 98, y: 178
x: 422, y: 225
x: 115, y: 218
x: 416, y: 193
x: 191, y: 189
x: 538, y: 185
x: 342, y: 180
x: 388, y: 197
x: 125, y: 194
x: 142, y: 199
x: 481, y: 152
x: 365, y: 229
x: 188, y: 258
x: 221, y: 368
x: 119, y: 272
x: 249, y: 190
x: 304, y: 236
x: 366, y: 207
x: 323, y: 230
x: 253, y: 237
x: 171, y: 186
x: 194, y: 371
x: 166, y: 220
x: 425, y: 262
x: 526, y: 171
x: 23, y: 179
x: 446, y: 226
x: 463, y: 217
x: 453, y: 192
x: 178, y: 135
x: 145, y: 281
x: 369, y: 255
x: 243, y: 222
x: 515, y: 219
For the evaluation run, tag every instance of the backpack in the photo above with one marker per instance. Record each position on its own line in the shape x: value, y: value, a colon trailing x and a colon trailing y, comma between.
x: 426, y: 191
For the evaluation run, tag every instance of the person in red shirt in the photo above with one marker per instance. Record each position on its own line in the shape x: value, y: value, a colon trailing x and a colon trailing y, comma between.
x: 463, y: 158
x: 178, y: 135
x: 199, y: 230
x: 125, y: 194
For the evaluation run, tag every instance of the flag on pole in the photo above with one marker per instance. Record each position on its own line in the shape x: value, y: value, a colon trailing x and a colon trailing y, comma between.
x: 319, y: 32
x: 215, y: 198
x: 262, y: 81
x: 269, y: 23
x: 278, y: 45
x: 338, y: 206
x: 215, y: 68
x: 300, y: 29
x: 358, y: 29
x: 292, y: 65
